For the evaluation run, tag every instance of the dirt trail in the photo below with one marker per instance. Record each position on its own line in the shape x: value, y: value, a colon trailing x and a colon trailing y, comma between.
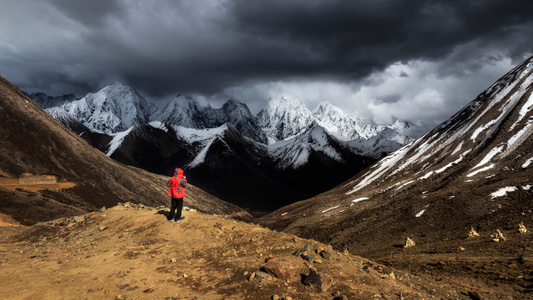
x: 132, y: 251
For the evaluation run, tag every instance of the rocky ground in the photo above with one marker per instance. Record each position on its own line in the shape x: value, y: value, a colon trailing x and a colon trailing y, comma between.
x: 131, y: 251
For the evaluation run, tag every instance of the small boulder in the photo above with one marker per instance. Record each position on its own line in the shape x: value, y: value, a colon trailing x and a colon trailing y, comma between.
x: 320, y: 281
x: 308, y: 248
x: 285, y: 270
x: 262, y: 275
x: 327, y: 255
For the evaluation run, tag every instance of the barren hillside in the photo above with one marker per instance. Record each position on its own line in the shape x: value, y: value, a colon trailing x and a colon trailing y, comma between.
x: 132, y: 252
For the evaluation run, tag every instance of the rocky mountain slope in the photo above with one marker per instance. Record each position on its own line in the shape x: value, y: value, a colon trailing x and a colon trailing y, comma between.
x: 131, y: 252
x: 473, y: 171
x: 48, y: 171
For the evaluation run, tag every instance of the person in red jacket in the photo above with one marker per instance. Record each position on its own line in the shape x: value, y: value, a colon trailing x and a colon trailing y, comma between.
x: 177, y: 186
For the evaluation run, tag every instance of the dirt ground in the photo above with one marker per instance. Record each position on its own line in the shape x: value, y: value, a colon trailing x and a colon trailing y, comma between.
x: 133, y: 252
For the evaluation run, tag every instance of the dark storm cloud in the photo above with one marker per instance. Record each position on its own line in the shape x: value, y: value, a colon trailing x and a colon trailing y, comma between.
x: 92, y: 12
x: 356, y: 37
x: 211, y: 47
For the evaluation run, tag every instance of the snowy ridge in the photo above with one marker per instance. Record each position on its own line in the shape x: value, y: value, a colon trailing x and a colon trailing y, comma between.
x: 489, y: 129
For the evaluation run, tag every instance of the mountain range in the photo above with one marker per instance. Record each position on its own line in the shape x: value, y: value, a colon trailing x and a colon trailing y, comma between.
x: 228, y: 151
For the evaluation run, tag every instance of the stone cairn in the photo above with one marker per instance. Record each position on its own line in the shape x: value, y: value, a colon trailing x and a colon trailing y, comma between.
x: 522, y: 228
x: 496, y: 237
x: 472, y: 232
x: 409, y: 243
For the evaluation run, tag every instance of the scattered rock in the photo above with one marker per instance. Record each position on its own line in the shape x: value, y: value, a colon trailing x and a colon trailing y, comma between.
x: 327, y: 255
x: 462, y: 249
x: 121, y: 274
x: 251, y: 277
x: 308, y: 256
x: 284, y: 270
x: 78, y: 219
x: 103, y: 209
x: 474, y: 295
x: 321, y: 281
x: 307, y: 249
x: 102, y: 228
x: 263, y: 276
x: 173, y: 260
x: 148, y: 291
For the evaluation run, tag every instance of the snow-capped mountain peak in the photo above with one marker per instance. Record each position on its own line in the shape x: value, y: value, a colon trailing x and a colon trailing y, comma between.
x: 180, y: 111
x: 113, y: 109
x: 341, y: 125
x: 284, y: 117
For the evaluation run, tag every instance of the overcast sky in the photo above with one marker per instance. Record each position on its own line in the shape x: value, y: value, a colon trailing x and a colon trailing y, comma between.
x: 416, y: 60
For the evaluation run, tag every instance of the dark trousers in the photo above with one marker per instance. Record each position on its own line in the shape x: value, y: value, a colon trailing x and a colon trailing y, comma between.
x: 177, y: 206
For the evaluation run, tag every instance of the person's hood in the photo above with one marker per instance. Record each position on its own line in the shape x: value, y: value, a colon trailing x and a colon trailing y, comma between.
x: 180, y: 172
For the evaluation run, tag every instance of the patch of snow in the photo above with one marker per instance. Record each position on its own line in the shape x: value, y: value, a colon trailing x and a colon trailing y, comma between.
x: 469, y: 180
x: 480, y: 170
x: 519, y: 134
x: 284, y: 214
x: 331, y: 208
x: 194, y: 135
x: 452, y: 163
x: 503, y: 191
x: 407, y: 183
x: 117, y: 140
x: 426, y: 176
x: 382, y: 167
x: 358, y: 200
x: 526, y: 187
x: 458, y: 148
x: 527, y: 162
x: 420, y: 213
x: 481, y: 129
x: 523, y: 111
x: 200, y: 158
x: 158, y: 125
x: 489, y: 156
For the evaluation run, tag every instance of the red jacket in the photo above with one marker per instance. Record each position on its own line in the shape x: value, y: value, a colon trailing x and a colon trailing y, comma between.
x: 177, y: 190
